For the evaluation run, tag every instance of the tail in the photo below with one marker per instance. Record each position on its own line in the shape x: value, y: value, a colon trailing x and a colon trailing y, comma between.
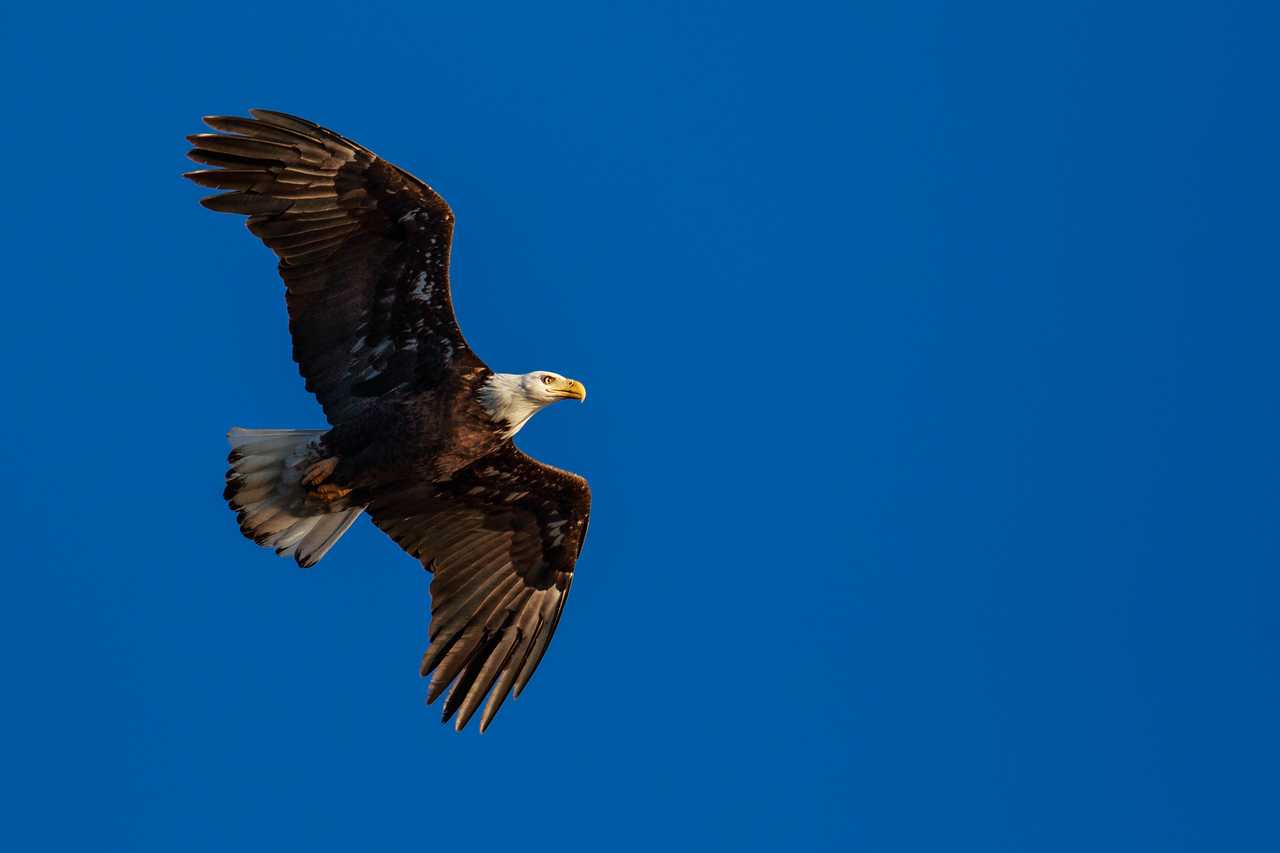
x: 264, y: 487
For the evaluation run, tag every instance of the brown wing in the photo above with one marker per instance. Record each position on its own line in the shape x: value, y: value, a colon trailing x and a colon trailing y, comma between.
x: 502, y: 537
x: 364, y: 254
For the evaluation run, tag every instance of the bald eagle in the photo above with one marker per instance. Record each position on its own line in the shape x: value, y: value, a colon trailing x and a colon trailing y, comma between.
x: 421, y: 429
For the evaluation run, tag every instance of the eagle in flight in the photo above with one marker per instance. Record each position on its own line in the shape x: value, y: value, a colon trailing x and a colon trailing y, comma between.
x: 421, y: 428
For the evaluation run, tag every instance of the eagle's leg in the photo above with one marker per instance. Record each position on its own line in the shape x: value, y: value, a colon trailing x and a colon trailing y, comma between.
x: 329, y: 492
x: 315, y: 480
x: 320, y: 471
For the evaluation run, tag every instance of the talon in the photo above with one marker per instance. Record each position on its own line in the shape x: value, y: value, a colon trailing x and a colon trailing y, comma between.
x: 328, y: 492
x: 320, y: 471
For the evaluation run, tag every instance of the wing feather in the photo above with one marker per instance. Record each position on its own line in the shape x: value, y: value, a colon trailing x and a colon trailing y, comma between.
x: 491, y: 666
x: 546, y: 630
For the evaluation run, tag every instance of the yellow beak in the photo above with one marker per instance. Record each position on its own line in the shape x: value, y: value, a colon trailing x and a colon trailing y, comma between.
x: 571, y: 389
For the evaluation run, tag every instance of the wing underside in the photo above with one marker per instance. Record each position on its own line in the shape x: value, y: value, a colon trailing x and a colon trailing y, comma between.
x: 363, y: 248
x: 501, y: 538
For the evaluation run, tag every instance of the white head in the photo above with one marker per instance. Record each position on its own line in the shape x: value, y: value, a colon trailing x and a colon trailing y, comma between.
x: 514, y: 397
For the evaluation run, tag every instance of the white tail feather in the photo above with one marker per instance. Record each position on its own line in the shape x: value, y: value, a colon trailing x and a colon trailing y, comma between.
x: 264, y: 487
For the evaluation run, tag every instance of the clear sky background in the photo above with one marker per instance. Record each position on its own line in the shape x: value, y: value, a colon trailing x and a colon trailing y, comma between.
x: 932, y: 429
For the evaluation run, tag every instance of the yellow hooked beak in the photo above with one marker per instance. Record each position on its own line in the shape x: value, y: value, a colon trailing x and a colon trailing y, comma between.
x: 570, y: 389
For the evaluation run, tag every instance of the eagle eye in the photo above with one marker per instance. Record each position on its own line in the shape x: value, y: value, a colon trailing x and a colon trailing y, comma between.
x: 547, y: 380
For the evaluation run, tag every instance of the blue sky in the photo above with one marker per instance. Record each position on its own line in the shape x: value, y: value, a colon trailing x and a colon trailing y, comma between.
x: 932, y: 429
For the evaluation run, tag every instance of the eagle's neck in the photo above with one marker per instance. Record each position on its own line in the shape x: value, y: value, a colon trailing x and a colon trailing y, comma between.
x: 504, y: 398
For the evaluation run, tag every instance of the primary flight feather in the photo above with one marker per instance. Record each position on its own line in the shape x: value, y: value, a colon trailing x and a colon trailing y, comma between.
x: 421, y: 429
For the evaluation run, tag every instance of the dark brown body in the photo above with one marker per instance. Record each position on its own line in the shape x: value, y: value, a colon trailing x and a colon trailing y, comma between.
x: 422, y: 438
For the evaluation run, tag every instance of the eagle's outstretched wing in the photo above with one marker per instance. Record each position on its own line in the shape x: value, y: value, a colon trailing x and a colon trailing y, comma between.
x: 364, y: 254
x: 502, y: 536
